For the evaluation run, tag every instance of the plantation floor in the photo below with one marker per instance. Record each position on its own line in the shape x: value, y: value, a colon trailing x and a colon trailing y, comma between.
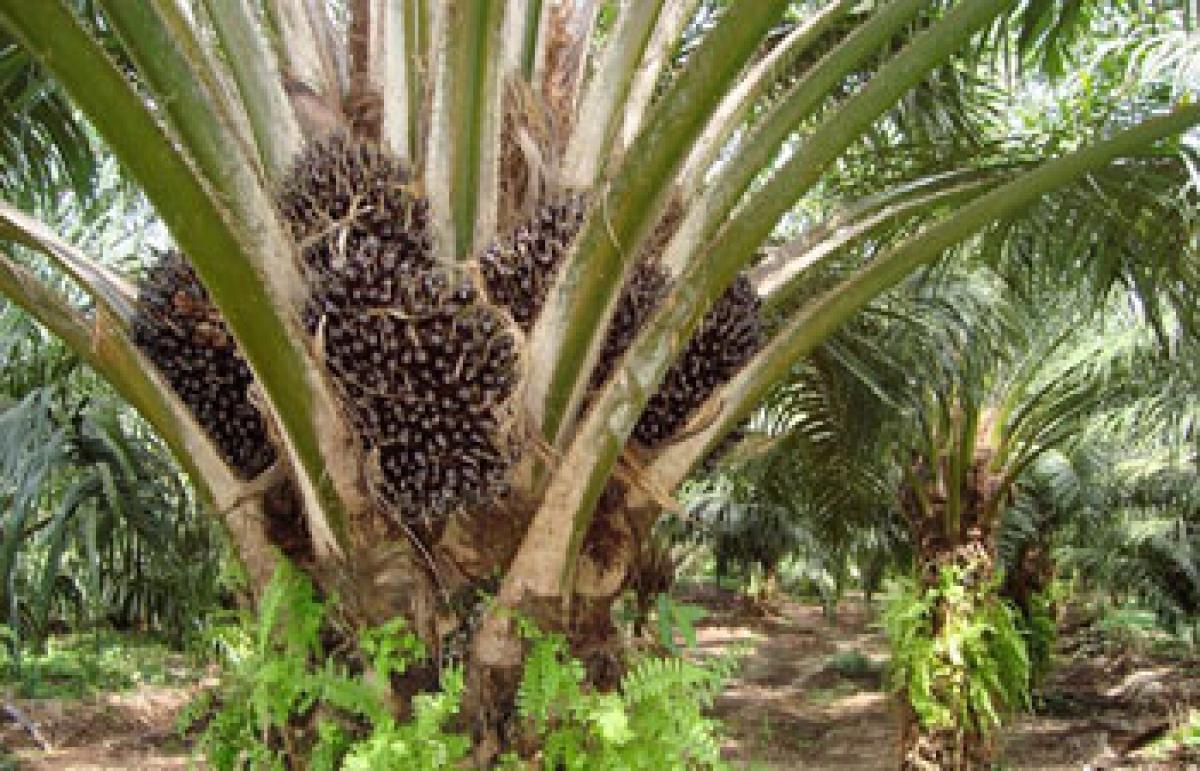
x: 794, y: 703
x: 100, y: 703
x: 806, y: 697
x: 133, y: 729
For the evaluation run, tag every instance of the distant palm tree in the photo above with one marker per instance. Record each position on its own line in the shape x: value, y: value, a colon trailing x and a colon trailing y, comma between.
x: 977, y: 442
x: 573, y: 186
x: 100, y: 527
x: 961, y: 433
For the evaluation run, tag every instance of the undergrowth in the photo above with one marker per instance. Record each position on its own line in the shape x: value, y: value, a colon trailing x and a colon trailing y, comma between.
x: 1041, y: 632
x: 1182, y: 742
x: 286, y: 702
x: 78, y: 665
x: 853, y: 664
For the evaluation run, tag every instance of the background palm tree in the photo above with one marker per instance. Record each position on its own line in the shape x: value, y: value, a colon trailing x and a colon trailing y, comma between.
x: 987, y: 421
x: 477, y: 138
x: 102, y: 527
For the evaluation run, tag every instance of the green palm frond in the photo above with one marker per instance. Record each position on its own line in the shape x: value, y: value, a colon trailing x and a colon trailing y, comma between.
x: 43, y: 143
x: 1128, y: 227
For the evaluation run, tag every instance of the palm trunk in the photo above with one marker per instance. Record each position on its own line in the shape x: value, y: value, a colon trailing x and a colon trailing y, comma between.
x: 924, y: 748
x: 1031, y: 575
x: 489, y: 703
x: 768, y: 590
x: 951, y: 531
x: 652, y: 574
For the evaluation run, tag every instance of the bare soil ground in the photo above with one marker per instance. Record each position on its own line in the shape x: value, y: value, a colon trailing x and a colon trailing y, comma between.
x: 790, y: 706
x: 129, y: 730
x: 794, y: 705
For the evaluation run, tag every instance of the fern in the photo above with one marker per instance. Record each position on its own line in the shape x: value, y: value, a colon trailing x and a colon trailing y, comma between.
x: 654, y: 722
x: 552, y: 680
x: 976, y: 667
x: 286, y: 677
x: 419, y: 743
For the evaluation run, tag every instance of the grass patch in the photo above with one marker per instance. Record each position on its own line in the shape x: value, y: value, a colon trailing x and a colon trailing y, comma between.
x: 74, y: 666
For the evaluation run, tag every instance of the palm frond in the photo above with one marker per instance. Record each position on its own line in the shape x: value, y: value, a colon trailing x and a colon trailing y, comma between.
x: 44, y: 144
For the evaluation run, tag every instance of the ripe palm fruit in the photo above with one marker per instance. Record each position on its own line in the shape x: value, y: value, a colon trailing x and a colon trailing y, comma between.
x: 361, y: 230
x: 426, y: 384
x: 519, y: 270
x: 424, y: 369
x: 359, y: 187
x: 179, y: 329
x: 729, y: 335
x: 642, y: 294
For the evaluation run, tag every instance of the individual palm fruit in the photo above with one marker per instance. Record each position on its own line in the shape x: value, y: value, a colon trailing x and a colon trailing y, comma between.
x: 179, y: 329
x: 424, y: 368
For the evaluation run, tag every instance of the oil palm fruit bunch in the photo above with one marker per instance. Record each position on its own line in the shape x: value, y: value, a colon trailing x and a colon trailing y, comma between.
x: 643, y: 292
x: 729, y: 335
x: 424, y: 355
x: 424, y: 367
x: 179, y: 329
x: 519, y: 270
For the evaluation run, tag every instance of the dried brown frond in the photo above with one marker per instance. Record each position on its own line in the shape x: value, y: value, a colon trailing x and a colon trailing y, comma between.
x: 318, y: 114
x: 527, y: 162
x: 364, y: 110
x: 564, y: 58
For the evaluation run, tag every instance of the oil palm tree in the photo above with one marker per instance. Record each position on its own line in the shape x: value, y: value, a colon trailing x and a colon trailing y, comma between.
x: 988, y: 440
x: 496, y: 164
x: 964, y: 426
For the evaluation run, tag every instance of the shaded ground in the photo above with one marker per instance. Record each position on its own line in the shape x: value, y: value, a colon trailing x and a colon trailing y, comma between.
x: 130, y: 730
x: 1105, y: 703
x: 798, y: 702
x: 808, y: 696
